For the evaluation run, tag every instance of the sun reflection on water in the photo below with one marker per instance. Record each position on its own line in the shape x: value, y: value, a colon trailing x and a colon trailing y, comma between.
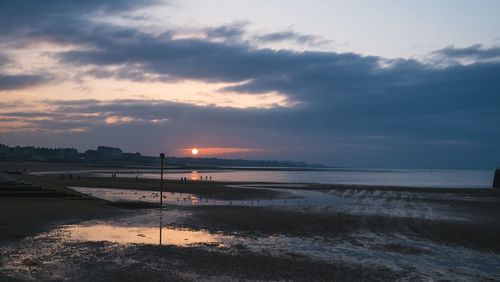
x: 138, y: 235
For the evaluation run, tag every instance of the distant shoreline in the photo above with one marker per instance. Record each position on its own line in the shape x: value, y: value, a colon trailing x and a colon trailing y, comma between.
x: 338, y: 177
x: 393, y: 180
x: 151, y: 184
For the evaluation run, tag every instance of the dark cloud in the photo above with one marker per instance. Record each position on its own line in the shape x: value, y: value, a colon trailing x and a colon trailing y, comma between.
x: 10, y: 82
x: 291, y: 36
x: 17, y: 81
x: 20, y: 14
x: 232, y: 31
x: 61, y: 21
x: 25, y: 21
x: 474, y: 52
x: 236, y: 32
x: 213, y: 61
x: 127, y: 73
x: 340, y: 81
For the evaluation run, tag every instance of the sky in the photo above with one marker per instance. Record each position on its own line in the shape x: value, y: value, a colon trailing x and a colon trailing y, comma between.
x: 401, y: 84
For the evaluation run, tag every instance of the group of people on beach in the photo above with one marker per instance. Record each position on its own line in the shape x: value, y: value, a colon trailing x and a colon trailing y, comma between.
x: 114, y: 176
x: 201, y: 178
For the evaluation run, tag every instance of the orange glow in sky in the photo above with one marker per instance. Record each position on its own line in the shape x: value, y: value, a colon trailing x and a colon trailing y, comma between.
x: 214, y: 151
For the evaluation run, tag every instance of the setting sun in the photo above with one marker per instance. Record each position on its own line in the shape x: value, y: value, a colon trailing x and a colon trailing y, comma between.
x: 194, y: 151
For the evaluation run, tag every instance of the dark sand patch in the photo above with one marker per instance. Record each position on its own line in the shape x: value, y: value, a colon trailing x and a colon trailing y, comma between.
x: 334, y: 225
x: 135, y: 205
x: 21, y: 217
x: 402, y: 249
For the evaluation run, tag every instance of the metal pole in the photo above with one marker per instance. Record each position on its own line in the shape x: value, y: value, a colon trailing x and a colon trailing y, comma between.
x: 162, y: 156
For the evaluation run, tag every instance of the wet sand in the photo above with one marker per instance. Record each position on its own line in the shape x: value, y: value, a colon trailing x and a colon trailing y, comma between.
x: 374, y: 234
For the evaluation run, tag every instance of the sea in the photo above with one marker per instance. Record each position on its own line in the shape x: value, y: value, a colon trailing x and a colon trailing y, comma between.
x: 376, y: 177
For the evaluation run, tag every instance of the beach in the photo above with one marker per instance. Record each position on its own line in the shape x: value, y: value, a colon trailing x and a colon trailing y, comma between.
x: 250, y: 231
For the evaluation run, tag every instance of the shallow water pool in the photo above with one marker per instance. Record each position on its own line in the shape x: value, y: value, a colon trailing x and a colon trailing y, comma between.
x: 300, y: 197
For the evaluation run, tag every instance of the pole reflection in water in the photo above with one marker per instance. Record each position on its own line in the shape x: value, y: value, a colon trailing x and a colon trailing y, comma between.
x: 161, y: 222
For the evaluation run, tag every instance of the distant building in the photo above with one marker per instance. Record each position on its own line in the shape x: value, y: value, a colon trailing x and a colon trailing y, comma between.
x: 103, y: 153
x: 38, y: 154
x: 112, y: 155
x: 109, y: 152
x: 4, y: 151
x: 66, y: 154
x: 131, y: 157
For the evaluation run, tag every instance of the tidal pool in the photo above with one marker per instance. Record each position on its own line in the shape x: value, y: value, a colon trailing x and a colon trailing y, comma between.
x: 143, y: 227
x: 138, y: 235
x: 301, y: 197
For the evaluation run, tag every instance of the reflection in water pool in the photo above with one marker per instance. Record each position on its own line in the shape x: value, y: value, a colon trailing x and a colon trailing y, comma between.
x: 138, y: 235
x: 141, y: 228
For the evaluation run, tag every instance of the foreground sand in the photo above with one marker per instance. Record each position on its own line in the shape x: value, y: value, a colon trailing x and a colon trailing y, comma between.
x: 379, y: 234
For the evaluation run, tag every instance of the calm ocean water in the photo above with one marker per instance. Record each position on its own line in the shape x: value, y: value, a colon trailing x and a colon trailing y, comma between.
x: 395, y: 177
